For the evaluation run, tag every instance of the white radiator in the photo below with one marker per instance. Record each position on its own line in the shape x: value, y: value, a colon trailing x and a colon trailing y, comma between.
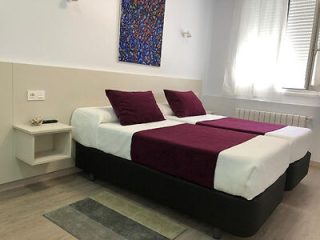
x: 273, y: 117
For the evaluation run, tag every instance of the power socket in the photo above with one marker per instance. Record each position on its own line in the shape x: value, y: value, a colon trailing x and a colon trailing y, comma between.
x: 36, y: 95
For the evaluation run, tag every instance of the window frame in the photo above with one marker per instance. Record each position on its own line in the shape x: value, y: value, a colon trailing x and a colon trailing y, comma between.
x: 314, y: 49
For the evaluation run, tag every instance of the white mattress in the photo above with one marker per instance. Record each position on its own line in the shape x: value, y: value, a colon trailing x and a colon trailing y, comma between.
x: 245, y: 170
x: 299, y: 138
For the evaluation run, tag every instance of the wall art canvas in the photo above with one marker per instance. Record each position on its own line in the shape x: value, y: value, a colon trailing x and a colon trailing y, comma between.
x: 141, y: 30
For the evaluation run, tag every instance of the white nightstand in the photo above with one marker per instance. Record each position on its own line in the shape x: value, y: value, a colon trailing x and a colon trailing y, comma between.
x: 43, y: 144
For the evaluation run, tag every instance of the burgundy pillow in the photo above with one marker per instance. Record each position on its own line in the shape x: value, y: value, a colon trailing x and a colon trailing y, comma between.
x: 184, y: 104
x: 134, y: 107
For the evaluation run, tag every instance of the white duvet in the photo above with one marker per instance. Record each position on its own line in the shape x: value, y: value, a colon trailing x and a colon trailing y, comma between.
x: 245, y: 170
x: 299, y: 138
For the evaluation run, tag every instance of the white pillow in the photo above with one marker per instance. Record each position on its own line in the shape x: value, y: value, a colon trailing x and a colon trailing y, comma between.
x: 106, y: 114
x: 96, y: 115
x: 85, y: 122
x: 165, y: 109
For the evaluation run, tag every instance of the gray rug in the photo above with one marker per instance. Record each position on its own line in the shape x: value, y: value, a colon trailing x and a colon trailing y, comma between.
x: 110, y: 216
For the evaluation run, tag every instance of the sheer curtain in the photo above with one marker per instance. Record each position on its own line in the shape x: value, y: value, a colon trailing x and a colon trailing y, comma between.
x: 253, y: 66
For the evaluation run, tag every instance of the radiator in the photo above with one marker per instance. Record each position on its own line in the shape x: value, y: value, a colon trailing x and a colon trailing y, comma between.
x: 273, y: 117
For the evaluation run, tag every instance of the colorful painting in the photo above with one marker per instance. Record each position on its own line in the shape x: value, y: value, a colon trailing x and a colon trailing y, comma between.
x: 141, y: 29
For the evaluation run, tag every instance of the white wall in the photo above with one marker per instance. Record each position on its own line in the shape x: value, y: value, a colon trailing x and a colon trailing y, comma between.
x: 298, y: 103
x: 6, y: 106
x: 84, y: 34
x: 221, y: 23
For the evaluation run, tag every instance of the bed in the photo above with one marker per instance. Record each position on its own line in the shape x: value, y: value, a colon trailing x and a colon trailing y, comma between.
x: 248, y: 180
x: 298, y: 137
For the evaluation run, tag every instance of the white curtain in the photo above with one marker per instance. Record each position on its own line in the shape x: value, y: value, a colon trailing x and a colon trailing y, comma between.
x: 253, y: 66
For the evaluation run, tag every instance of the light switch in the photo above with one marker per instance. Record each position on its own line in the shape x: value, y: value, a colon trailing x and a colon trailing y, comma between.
x: 36, y: 95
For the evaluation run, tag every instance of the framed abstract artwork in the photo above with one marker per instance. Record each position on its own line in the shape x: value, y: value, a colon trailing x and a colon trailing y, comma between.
x: 141, y: 30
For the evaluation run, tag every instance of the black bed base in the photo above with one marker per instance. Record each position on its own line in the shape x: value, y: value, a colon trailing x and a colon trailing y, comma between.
x: 297, y: 171
x: 229, y: 213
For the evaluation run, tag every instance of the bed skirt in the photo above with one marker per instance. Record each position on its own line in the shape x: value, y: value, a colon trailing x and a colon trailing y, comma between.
x: 232, y: 214
x: 297, y: 171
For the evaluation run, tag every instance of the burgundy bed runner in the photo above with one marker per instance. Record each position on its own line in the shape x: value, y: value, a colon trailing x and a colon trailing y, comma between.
x: 242, y: 125
x: 186, y: 151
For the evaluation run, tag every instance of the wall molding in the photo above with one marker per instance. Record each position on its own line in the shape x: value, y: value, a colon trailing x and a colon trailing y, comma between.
x: 39, y: 178
x: 315, y: 164
x: 104, y: 69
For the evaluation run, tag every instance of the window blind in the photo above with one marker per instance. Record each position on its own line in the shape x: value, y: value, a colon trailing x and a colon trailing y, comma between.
x: 299, y: 32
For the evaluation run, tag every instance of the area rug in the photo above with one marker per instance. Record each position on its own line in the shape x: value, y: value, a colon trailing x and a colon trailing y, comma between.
x: 111, y: 216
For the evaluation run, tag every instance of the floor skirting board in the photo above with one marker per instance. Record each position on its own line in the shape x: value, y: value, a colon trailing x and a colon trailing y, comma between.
x: 40, y: 178
x: 315, y: 164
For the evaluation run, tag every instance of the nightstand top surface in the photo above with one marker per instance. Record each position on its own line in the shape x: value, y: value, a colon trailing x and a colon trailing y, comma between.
x: 43, y: 129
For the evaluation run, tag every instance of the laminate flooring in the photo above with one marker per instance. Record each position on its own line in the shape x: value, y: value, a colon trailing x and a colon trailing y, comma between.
x: 22, y: 209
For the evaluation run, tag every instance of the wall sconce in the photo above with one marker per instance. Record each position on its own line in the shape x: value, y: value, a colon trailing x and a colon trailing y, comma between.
x: 186, y: 34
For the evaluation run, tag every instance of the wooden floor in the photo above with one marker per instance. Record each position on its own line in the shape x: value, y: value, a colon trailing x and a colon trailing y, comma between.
x: 21, y: 210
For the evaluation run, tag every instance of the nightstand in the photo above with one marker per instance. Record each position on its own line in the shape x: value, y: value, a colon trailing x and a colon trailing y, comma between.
x: 43, y: 144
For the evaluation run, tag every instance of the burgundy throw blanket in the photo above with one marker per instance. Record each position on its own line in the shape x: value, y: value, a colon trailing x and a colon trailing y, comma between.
x: 186, y: 151
x: 242, y: 125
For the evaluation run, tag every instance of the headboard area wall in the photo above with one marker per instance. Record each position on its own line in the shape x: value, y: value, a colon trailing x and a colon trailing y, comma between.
x: 66, y: 89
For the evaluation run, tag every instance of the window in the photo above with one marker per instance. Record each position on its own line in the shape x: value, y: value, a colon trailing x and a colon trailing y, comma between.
x: 314, y: 66
x: 302, y: 45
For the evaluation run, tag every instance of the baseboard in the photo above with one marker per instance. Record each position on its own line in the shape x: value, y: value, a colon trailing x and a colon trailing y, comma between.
x: 315, y: 164
x: 40, y: 178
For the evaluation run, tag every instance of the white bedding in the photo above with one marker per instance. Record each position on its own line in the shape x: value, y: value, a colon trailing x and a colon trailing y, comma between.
x: 86, y: 120
x: 245, y: 170
x: 299, y: 138
x: 116, y: 139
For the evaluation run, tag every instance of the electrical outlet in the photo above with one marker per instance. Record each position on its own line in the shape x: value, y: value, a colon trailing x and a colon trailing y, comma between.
x: 36, y: 95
